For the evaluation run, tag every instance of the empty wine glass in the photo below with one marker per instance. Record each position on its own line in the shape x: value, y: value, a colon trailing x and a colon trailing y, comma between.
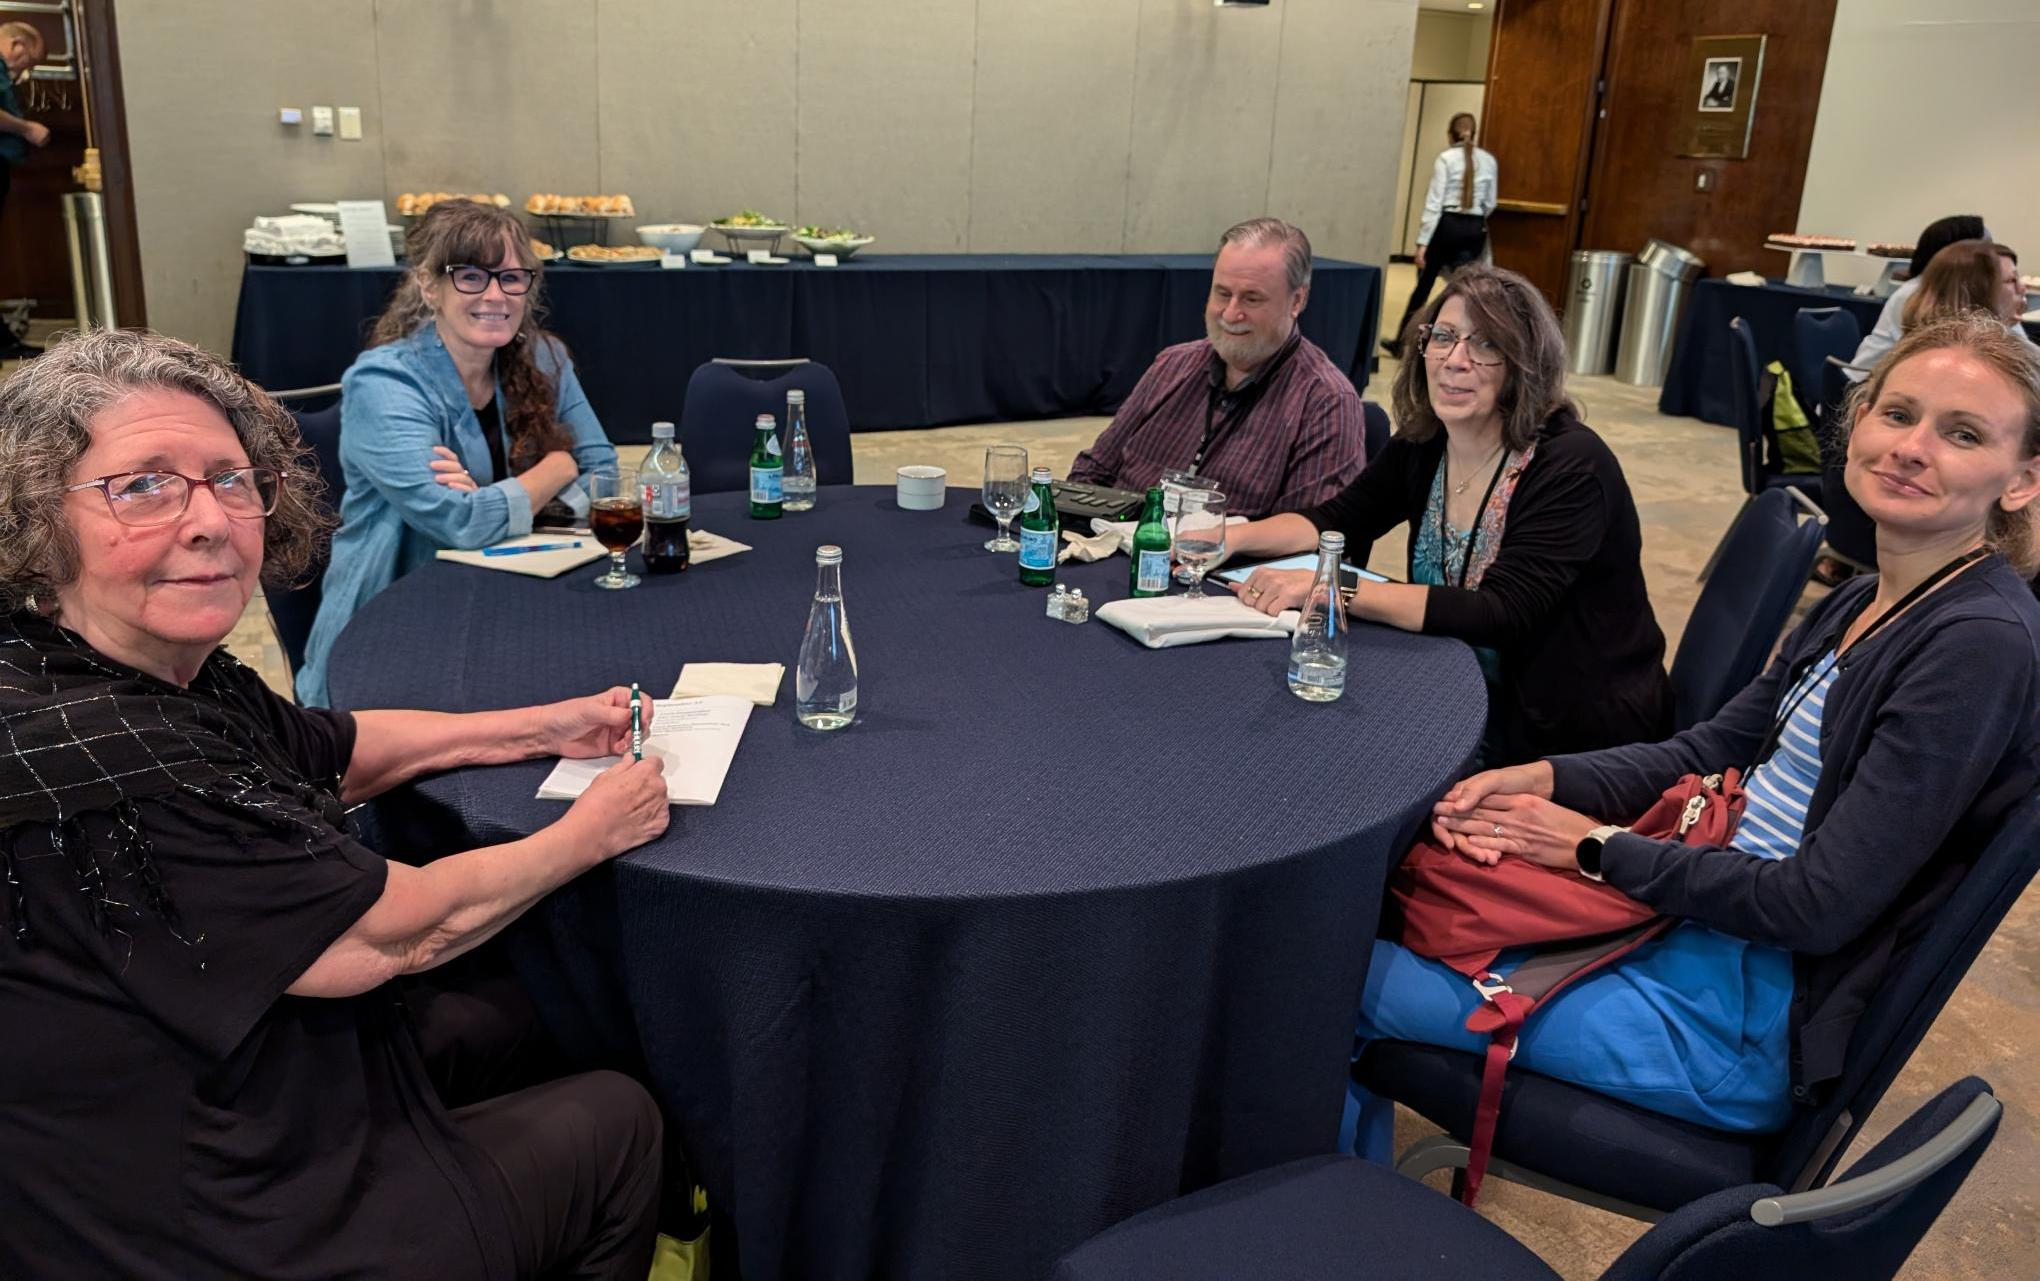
x: 616, y: 516
x: 1199, y: 534
x: 1173, y: 483
x: 1005, y: 491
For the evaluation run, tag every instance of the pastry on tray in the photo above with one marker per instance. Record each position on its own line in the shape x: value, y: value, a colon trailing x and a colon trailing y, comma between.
x: 1838, y: 244
x: 616, y: 253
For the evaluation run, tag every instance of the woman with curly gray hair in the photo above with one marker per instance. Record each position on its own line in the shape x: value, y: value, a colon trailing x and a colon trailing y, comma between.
x: 196, y: 955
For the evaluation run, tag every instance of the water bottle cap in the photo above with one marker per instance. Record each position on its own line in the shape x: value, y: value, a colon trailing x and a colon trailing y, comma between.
x: 662, y: 431
x: 828, y: 554
x: 1043, y: 475
x: 1331, y: 541
x: 766, y: 422
x: 796, y: 397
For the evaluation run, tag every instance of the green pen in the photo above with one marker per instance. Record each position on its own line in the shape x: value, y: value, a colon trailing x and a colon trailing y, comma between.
x: 637, y: 725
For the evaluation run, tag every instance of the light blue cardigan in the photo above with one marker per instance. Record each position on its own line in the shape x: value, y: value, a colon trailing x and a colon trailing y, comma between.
x: 398, y: 401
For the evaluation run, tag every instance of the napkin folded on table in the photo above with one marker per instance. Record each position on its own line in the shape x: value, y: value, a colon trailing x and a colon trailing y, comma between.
x: 1161, y: 622
x: 758, y: 682
x: 1750, y: 278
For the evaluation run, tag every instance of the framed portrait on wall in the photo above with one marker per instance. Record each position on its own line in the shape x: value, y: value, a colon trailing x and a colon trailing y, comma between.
x: 1724, y: 72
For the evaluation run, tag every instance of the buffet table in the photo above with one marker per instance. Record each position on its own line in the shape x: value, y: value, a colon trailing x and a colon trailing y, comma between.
x: 917, y: 340
x: 1697, y: 384
x: 1060, y: 929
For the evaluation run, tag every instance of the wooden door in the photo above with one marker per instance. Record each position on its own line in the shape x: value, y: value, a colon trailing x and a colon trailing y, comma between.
x: 1544, y: 66
x: 35, y: 261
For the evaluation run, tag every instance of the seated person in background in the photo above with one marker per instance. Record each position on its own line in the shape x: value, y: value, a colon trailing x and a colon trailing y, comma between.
x: 1254, y: 407
x: 1969, y: 275
x: 208, y: 1071
x: 1905, y: 714
x: 1524, y: 540
x: 1938, y: 235
x: 461, y: 420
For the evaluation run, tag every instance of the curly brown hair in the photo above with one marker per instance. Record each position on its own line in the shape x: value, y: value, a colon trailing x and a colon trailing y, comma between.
x: 1512, y: 314
x: 1984, y: 336
x: 465, y: 232
x: 47, y: 408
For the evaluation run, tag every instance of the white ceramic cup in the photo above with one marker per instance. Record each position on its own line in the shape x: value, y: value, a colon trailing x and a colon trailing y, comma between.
x: 922, y: 489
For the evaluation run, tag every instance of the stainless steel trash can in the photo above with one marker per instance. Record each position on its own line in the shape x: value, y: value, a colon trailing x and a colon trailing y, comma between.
x: 1659, y: 281
x: 1593, y: 301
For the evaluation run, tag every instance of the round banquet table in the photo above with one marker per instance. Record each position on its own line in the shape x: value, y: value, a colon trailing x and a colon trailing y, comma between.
x: 1059, y: 929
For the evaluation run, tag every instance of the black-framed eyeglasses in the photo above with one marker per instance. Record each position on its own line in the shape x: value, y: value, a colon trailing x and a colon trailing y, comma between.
x: 470, y: 279
x: 1437, y: 342
x: 159, y: 497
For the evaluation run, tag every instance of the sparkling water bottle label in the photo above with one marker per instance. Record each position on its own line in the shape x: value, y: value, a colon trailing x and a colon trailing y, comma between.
x: 1320, y: 674
x: 1037, y: 549
x: 667, y: 500
x: 765, y: 482
x: 1033, y: 502
x: 1154, y: 571
x: 772, y: 445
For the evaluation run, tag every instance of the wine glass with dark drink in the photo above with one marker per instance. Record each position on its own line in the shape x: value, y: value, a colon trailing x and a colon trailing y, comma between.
x: 617, y: 517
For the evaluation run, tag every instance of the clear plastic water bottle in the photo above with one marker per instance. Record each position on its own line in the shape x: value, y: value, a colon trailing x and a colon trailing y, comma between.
x: 799, y: 482
x: 825, y: 680
x: 668, y: 503
x: 1317, y: 652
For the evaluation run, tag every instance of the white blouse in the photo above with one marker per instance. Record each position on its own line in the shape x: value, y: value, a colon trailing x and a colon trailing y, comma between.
x: 1448, y: 175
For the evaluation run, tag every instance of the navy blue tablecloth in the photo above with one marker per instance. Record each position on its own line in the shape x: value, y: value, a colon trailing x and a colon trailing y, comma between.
x: 1059, y: 929
x: 917, y: 340
x: 1696, y: 384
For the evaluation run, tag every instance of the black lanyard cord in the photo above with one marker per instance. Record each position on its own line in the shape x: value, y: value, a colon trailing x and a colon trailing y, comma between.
x: 1473, y: 532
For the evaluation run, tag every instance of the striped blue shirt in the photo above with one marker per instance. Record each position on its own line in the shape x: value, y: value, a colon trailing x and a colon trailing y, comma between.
x: 1779, y: 789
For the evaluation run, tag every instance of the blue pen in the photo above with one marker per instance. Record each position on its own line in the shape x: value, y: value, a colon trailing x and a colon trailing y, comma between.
x: 534, y: 547
x: 637, y: 725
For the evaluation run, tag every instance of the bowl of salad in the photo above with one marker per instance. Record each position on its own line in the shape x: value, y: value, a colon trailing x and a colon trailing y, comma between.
x: 840, y: 241
x: 748, y: 229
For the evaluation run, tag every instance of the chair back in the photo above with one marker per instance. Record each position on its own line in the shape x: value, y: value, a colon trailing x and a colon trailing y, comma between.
x: 1864, y: 1227
x: 292, y: 610
x: 1818, y: 334
x: 1912, y: 992
x: 1746, y: 398
x: 1374, y: 424
x: 723, y: 401
x: 1850, y: 532
x: 1744, y: 606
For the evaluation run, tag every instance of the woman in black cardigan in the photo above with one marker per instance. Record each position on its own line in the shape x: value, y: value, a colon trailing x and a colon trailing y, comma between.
x: 1523, y: 537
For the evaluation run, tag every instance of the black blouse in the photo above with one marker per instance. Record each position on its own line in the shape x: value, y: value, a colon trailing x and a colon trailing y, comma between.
x: 1563, y: 602
x: 167, y: 1110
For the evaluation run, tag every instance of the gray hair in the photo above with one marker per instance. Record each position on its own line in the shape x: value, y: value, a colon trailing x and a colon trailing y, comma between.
x: 1256, y: 232
x: 47, y: 408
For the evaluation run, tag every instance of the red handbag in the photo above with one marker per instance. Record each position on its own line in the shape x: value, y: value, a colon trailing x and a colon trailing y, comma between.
x: 1465, y: 913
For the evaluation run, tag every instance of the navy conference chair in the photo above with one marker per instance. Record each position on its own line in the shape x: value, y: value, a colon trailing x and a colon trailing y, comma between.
x: 292, y: 609
x: 1820, y: 334
x: 1851, y: 535
x: 1741, y: 613
x: 1754, y: 439
x: 1374, y: 420
x: 1337, y: 1218
x: 1590, y: 1148
x: 724, y: 399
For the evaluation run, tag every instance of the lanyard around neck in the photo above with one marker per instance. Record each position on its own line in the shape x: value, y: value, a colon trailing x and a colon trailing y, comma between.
x: 1473, y: 533
x: 1243, y: 403
x: 1801, y: 672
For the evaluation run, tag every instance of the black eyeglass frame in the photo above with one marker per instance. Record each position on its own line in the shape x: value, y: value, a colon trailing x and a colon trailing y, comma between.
x: 530, y: 275
x: 254, y: 474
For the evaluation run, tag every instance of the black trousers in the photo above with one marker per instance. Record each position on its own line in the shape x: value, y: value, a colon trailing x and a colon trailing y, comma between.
x: 1457, y: 240
x: 576, y: 1159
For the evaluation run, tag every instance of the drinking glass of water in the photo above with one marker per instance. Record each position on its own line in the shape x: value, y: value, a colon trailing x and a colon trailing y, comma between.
x: 1199, y: 534
x: 1005, y: 491
x: 1173, y: 483
x: 616, y: 517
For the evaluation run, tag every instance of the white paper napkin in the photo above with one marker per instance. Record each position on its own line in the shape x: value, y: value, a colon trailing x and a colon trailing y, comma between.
x: 535, y: 564
x: 758, y: 682
x: 1162, y: 622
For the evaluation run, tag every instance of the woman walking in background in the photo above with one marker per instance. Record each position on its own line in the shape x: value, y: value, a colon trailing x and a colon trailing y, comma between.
x: 1454, y: 230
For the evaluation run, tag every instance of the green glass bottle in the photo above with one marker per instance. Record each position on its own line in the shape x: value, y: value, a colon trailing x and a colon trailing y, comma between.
x: 1149, y: 573
x: 1040, y: 531
x: 767, y: 471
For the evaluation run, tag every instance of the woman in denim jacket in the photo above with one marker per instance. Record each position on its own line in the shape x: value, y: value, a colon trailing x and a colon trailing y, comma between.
x: 461, y: 420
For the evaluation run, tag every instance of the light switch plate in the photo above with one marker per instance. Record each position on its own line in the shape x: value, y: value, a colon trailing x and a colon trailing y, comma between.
x: 322, y: 122
x: 350, y: 124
